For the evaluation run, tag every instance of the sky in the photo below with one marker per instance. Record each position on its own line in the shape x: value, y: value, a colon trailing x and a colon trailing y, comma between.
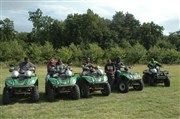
x: 165, y: 13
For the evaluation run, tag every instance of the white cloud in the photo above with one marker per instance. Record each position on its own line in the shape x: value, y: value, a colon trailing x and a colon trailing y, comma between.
x: 159, y: 11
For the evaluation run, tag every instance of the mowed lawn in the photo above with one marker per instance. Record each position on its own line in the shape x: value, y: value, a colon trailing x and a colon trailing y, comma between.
x: 157, y: 102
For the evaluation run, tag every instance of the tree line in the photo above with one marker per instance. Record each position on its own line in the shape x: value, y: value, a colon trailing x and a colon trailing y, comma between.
x: 88, y: 35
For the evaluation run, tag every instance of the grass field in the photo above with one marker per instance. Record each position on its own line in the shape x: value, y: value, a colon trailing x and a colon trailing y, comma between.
x: 157, y: 102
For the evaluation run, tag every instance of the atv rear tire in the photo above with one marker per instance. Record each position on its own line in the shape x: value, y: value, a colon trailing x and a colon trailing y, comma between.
x: 107, y: 90
x: 145, y: 79
x: 123, y: 86
x: 139, y: 87
x: 6, y: 98
x: 167, y: 82
x: 76, y: 92
x: 50, y: 93
x: 85, y: 92
x: 151, y: 80
x: 35, y: 94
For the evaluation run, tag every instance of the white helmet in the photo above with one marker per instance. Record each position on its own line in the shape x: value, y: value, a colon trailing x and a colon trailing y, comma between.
x: 15, y: 73
x: 154, y: 70
x: 69, y: 72
x: 100, y: 71
x: 28, y: 73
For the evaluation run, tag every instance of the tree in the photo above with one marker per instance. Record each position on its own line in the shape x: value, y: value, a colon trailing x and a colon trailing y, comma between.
x: 7, y: 31
x: 126, y: 26
x: 135, y: 54
x: 149, y: 34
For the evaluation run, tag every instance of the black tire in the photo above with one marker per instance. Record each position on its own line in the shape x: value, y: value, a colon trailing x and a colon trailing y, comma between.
x: 46, y: 89
x: 145, y: 79
x: 35, y: 94
x: 140, y: 86
x: 76, y: 93
x: 6, y: 97
x: 151, y: 81
x: 50, y: 93
x: 107, y: 90
x: 123, y: 86
x: 167, y: 82
x: 84, y: 89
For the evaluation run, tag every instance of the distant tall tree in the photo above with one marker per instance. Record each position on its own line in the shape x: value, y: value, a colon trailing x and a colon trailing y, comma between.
x: 7, y: 31
x: 174, y: 38
x: 149, y: 34
x: 126, y: 26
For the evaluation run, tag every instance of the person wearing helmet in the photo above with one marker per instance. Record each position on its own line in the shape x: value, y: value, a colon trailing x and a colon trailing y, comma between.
x: 153, y: 64
x: 110, y: 71
x: 61, y: 67
x: 51, y: 64
x: 25, y: 65
x: 87, y: 67
x: 118, y: 65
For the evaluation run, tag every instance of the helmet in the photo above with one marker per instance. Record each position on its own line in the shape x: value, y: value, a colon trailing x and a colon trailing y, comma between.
x: 154, y: 70
x: 28, y: 73
x: 100, y: 71
x: 69, y: 72
x: 15, y: 73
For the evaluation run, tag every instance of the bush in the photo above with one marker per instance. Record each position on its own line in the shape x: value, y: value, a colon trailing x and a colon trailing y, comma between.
x: 34, y: 53
x: 64, y: 54
x: 170, y: 56
x: 11, y: 52
x: 135, y: 54
x: 47, y: 52
x: 94, y: 52
x: 155, y: 52
x: 115, y: 52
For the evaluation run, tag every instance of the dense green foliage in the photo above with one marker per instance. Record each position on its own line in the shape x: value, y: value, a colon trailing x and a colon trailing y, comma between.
x: 88, y: 35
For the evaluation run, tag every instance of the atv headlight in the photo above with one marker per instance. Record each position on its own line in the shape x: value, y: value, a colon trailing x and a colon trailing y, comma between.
x: 28, y: 73
x: 73, y: 81
x: 9, y: 82
x: 15, y: 73
x: 69, y: 73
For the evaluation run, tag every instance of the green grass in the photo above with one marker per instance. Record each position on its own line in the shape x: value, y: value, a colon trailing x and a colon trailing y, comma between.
x: 157, y: 102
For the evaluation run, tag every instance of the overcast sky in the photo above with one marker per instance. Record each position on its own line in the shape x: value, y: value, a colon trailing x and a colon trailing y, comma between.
x: 165, y: 13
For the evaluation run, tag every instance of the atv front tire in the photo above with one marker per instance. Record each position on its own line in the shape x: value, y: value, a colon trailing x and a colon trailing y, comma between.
x: 107, y: 90
x: 85, y: 92
x: 76, y: 92
x: 6, y: 98
x: 50, y: 93
x: 139, y: 86
x: 123, y: 86
x: 167, y: 82
x: 35, y: 94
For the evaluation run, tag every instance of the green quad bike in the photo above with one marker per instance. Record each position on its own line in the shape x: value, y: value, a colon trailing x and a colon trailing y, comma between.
x: 24, y: 82
x: 154, y: 76
x: 57, y: 83
x: 93, y: 80
x: 124, y: 79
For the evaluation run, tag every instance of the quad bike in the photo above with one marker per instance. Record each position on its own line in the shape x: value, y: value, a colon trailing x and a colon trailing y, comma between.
x: 154, y: 76
x: 57, y: 83
x: 23, y: 82
x: 93, y: 80
x: 124, y: 79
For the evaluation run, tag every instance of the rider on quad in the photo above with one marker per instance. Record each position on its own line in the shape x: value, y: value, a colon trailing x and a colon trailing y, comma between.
x: 152, y: 65
x: 87, y: 67
x: 25, y: 65
x: 118, y: 65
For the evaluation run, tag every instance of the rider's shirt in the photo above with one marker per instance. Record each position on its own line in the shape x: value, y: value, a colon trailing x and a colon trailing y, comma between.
x: 26, y: 66
x: 118, y: 65
x: 109, y: 67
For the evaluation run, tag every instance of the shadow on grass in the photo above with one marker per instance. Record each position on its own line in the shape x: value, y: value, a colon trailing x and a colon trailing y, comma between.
x: 42, y: 99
